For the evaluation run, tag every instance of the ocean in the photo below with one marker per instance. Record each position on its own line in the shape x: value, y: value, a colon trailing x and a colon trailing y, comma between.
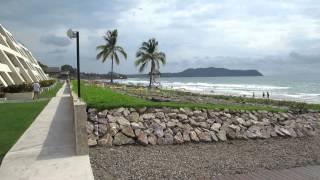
x: 294, y: 88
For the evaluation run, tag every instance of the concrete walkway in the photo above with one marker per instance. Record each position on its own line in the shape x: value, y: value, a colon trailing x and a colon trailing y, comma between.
x: 46, y: 150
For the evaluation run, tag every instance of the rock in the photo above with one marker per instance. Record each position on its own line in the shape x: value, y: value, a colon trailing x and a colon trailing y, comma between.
x: 113, y: 128
x: 92, y: 110
x: 193, y: 136
x: 231, y: 133
x: 121, y: 139
x: 204, y: 136
x: 240, y: 121
x: 148, y: 131
x: 253, y: 117
x: 171, y: 124
x: 102, y: 129
x: 138, y: 125
x: 142, y: 110
x: 152, y: 139
x: 102, y: 120
x: 92, y: 142
x: 106, y: 141
x: 197, y: 113
x: 178, y: 138
x: 285, y: 131
x: 160, y: 115
x: 101, y: 115
x: 158, y: 131
x: 213, y: 136
x: 123, y: 121
x: 90, y: 127
x: 127, y: 130
x: 142, y: 139
x: 222, y: 135
x: 182, y: 116
x: 215, y: 127
x: 137, y: 132
x: 172, y: 115
x: 160, y: 141
x: 126, y: 112
x: 133, y: 117
x: 111, y: 119
x: 148, y: 116
x: 204, y: 125
x: 168, y: 138
x: 186, y: 136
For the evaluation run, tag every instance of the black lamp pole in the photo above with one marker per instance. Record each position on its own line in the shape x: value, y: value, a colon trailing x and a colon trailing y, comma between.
x: 78, y: 64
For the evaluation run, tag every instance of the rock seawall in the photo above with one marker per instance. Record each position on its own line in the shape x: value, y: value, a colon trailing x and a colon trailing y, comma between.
x: 161, y: 126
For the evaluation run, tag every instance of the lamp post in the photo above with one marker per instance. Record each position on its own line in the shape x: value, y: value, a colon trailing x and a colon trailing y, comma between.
x: 75, y: 34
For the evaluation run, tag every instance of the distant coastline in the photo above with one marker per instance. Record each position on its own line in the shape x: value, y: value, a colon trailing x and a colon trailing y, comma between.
x: 204, y: 72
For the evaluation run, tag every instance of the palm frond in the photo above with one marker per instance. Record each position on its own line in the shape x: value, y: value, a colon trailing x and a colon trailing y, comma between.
x: 142, y: 67
x: 121, y: 50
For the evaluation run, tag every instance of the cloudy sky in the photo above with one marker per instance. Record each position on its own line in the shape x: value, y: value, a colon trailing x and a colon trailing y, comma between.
x: 272, y: 36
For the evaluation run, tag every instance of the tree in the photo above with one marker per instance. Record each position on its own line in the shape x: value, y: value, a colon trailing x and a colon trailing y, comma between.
x: 67, y: 67
x: 110, y: 49
x: 148, y: 53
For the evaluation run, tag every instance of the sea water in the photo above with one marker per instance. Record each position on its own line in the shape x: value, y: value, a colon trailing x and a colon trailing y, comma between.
x: 296, y: 88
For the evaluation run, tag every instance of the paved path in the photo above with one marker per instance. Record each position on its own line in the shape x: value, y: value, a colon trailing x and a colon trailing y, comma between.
x: 300, y: 173
x: 46, y: 150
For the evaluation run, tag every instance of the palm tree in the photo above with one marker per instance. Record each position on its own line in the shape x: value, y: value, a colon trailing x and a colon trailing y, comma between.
x: 110, y: 49
x: 148, y: 53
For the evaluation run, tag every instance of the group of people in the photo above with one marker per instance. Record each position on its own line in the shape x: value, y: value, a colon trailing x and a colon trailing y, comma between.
x: 264, y: 95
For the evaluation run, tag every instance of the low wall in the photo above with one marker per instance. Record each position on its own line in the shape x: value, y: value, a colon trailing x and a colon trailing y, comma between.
x: 163, y: 126
x: 19, y: 96
x: 80, y: 120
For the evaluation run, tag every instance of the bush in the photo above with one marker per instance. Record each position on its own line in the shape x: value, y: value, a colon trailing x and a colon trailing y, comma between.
x: 47, y: 83
x: 18, y: 88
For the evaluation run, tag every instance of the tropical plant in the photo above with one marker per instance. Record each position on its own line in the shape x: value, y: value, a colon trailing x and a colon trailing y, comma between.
x: 111, y: 49
x: 149, y: 53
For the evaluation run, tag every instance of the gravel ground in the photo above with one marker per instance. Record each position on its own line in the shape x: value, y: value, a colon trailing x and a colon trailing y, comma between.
x: 191, y: 161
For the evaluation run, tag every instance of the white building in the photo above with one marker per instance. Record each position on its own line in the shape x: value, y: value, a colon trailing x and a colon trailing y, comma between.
x: 17, y: 64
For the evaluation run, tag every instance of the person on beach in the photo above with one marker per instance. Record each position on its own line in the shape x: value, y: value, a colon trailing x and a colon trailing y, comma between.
x: 253, y: 96
x: 263, y: 95
x: 268, y: 95
x: 36, y: 90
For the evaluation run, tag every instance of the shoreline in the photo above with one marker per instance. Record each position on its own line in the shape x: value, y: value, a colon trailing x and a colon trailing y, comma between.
x: 214, y: 89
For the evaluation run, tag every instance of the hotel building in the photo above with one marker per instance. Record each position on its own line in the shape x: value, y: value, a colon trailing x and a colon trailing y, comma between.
x: 17, y: 64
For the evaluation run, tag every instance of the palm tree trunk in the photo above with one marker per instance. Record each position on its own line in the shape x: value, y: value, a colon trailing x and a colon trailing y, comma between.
x: 111, y: 71
x: 151, y: 74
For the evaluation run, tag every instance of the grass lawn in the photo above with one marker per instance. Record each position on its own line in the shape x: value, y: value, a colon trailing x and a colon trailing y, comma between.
x: 105, y: 98
x: 15, y: 118
x: 52, y: 92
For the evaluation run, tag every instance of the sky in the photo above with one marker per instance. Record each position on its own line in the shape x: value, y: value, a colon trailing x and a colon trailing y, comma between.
x: 272, y: 36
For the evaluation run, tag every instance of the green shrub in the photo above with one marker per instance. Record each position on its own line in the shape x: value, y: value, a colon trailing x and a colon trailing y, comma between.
x: 47, y: 83
x: 18, y: 88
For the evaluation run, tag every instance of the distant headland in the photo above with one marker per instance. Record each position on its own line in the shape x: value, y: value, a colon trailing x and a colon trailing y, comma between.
x: 205, y: 72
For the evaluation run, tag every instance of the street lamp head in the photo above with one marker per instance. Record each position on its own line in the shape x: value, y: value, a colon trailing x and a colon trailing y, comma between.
x: 71, y: 34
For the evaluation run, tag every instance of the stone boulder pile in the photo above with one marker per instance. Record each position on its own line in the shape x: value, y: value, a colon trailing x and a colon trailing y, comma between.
x: 161, y: 126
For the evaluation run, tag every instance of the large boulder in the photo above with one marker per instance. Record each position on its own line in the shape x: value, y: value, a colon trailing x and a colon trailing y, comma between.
x: 123, y: 121
x: 106, y: 141
x: 142, y: 138
x: 222, y: 135
x: 193, y: 136
x: 134, y: 117
x: 121, y: 139
x: 152, y: 139
x: 178, y: 138
x: 127, y: 130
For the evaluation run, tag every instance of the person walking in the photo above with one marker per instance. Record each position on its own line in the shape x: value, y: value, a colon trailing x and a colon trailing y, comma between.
x: 268, y: 95
x: 36, y: 90
x: 263, y: 95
